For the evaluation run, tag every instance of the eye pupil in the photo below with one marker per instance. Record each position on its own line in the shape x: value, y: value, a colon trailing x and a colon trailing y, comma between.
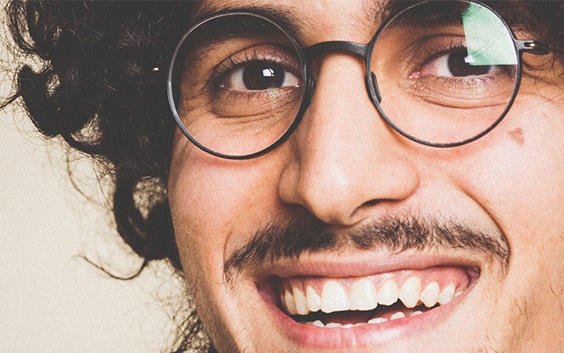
x: 262, y: 75
x: 459, y: 65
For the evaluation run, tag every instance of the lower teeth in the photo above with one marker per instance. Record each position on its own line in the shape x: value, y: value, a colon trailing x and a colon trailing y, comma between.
x: 374, y: 321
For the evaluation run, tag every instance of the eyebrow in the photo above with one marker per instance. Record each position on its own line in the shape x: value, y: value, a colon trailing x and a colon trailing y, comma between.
x: 230, y: 27
x: 432, y: 14
x: 286, y: 18
x: 293, y: 21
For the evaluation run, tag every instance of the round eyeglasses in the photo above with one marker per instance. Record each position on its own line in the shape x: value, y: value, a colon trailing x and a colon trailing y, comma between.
x: 440, y: 73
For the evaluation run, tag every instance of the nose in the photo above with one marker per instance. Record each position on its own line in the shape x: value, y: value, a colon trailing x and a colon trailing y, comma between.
x: 346, y: 161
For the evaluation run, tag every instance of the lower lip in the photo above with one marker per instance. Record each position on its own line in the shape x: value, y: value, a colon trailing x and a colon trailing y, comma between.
x: 314, y: 338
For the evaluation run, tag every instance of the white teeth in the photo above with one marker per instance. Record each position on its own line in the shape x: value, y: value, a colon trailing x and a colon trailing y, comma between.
x: 388, y: 293
x: 375, y: 321
x: 410, y: 292
x: 333, y: 325
x: 313, y: 299
x: 301, y: 303
x: 363, y: 296
x: 416, y: 312
x: 430, y: 295
x: 378, y: 320
x: 334, y: 298
x: 447, y: 294
x: 398, y: 315
x: 290, y: 303
x: 318, y: 323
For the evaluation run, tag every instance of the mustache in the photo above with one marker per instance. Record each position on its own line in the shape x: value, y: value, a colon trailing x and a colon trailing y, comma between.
x: 297, y: 237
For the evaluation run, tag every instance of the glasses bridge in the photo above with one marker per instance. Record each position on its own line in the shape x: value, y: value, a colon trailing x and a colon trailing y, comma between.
x: 323, y: 48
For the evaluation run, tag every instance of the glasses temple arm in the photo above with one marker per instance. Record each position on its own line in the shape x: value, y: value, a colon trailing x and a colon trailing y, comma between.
x: 533, y: 47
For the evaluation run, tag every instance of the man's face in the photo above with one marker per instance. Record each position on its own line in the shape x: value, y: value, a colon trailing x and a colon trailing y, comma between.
x: 291, y: 251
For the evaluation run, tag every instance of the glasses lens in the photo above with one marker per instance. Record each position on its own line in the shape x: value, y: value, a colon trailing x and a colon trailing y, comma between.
x: 238, y: 84
x: 446, y: 71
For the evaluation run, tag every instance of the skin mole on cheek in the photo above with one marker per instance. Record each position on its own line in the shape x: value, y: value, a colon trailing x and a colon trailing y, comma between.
x: 517, y: 136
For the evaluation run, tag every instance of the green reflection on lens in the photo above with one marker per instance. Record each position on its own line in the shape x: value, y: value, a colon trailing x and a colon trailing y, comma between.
x: 487, y: 39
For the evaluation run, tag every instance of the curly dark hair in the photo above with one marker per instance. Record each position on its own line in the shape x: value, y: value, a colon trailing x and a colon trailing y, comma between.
x: 99, y: 91
x: 99, y: 87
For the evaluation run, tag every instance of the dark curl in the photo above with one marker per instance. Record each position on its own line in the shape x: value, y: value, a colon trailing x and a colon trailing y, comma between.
x: 99, y: 89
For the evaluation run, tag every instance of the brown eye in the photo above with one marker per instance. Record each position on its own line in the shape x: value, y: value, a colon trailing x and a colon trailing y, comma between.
x: 459, y: 64
x: 455, y: 63
x: 259, y: 75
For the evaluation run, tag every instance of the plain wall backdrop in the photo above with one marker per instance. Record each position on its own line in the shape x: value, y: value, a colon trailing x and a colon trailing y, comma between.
x: 51, y: 300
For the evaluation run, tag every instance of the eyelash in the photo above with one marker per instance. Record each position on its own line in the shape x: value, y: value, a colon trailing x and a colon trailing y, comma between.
x: 229, y: 65
x: 428, y: 49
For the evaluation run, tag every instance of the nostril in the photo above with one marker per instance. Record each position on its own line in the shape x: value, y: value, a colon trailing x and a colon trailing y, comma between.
x: 367, y: 208
x: 370, y: 203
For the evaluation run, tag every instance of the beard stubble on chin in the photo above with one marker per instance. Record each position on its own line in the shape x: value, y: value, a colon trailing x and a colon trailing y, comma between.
x: 292, y: 239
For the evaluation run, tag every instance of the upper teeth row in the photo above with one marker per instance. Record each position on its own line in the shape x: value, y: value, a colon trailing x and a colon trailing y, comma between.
x: 362, y: 295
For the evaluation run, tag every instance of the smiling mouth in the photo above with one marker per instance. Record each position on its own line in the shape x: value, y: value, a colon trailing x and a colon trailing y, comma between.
x: 371, y: 300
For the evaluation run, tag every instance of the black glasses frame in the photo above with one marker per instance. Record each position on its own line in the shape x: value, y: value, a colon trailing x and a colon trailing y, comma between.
x: 364, y: 51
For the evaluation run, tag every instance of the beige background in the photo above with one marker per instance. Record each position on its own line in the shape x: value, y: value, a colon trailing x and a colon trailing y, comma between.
x: 50, y: 299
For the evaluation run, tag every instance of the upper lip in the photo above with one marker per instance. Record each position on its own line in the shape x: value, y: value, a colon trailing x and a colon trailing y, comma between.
x: 359, y: 264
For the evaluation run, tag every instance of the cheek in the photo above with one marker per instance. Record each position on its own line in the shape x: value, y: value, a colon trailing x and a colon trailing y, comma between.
x: 519, y: 181
x: 520, y: 177
x: 217, y: 205
x: 516, y: 174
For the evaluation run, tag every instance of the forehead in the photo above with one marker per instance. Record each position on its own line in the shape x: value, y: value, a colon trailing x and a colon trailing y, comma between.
x: 336, y: 18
